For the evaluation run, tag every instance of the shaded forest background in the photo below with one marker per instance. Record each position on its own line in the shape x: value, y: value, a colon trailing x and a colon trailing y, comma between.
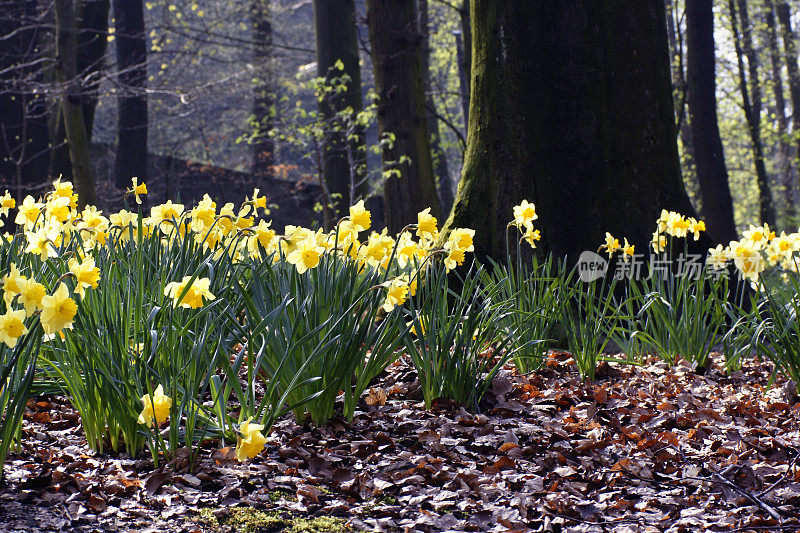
x: 205, y: 96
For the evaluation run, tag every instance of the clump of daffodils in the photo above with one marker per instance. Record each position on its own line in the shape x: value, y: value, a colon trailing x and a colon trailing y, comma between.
x: 758, y: 249
x: 673, y: 224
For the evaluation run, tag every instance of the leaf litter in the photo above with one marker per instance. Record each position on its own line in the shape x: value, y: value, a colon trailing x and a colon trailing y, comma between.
x: 645, y: 449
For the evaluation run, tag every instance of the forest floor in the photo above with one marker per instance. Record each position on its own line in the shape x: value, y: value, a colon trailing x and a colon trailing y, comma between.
x: 648, y: 448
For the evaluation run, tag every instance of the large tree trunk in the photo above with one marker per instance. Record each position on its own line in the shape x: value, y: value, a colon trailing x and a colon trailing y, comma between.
x: 344, y: 161
x: 572, y: 109
x: 444, y: 185
x: 264, y: 91
x: 779, y: 108
x: 71, y: 104
x: 712, y: 174
x: 751, y: 103
x: 132, y: 124
x: 24, y: 137
x: 790, y: 52
x: 400, y: 82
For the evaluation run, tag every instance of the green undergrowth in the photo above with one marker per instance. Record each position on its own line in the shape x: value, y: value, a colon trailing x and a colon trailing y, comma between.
x: 249, y: 520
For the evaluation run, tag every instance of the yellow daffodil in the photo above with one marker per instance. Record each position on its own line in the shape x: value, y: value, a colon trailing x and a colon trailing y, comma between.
x: 718, y: 257
x: 307, y: 255
x: 12, y: 327
x: 138, y: 189
x: 86, y: 274
x: 194, y: 294
x: 455, y: 256
x: 759, y: 236
x: 627, y: 250
x: 525, y: 214
x: 426, y: 226
x: 397, y: 293
x: 28, y: 212
x: 31, y: 293
x: 360, y: 216
x: 155, y: 409
x: 166, y: 212
x: 58, y: 310
x: 747, y: 258
x: 659, y: 242
x: 11, y: 283
x: 7, y: 203
x: 531, y: 236
x: 696, y: 226
x: 461, y: 238
x: 611, y: 245
x: 251, y: 441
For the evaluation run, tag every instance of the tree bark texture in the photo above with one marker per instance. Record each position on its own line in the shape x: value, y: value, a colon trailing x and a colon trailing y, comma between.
x: 400, y: 83
x: 344, y: 161
x: 132, y: 122
x: 712, y: 174
x: 24, y: 136
x: 571, y: 108
x: 71, y: 104
x: 264, y: 91
x: 751, y: 102
x: 444, y: 185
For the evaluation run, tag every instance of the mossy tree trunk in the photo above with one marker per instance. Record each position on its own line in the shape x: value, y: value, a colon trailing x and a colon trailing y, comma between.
x: 71, y: 103
x: 400, y: 83
x: 571, y: 108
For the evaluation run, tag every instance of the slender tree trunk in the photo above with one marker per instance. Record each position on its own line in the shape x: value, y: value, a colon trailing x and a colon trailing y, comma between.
x: 337, y: 40
x: 790, y: 52
x: 400, y: 83
x: 711, y: 172
x: 92, y: 46
x: 784, y: 150
x: 572, y: 110
x: 444, y: 184
x: 464, y: 53
x: 24, y: 137
x: 71, y: 106
x: 263, y: 92
x: 751, y: 102
x: 132, y: 124
x: 679, y: 88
